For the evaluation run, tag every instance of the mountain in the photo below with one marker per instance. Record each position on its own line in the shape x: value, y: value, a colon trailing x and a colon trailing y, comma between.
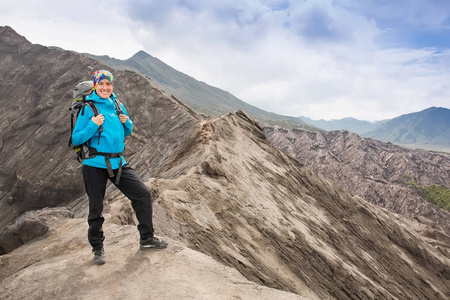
x: 198, y: 95
x: 428, y: 128
x: 430, y: 131
x: 244, y: 220
x: 350, y: 124
x: 384, y: 174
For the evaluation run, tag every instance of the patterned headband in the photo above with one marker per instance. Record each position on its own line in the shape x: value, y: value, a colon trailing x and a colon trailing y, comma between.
x: 99, y: 76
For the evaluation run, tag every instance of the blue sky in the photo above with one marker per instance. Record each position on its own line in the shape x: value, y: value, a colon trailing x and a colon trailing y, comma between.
x: 323, y: 59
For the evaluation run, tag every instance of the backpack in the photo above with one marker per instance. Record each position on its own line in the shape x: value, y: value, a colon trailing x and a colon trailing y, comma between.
x: 79, y: 103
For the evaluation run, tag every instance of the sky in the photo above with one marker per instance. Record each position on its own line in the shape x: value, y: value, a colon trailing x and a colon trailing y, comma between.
x: 323, y: 59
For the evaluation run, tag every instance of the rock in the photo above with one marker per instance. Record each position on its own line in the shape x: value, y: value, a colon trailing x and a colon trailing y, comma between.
x: 30, y: 226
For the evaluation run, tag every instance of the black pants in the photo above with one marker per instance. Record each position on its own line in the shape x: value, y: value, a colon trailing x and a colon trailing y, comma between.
x: 95, y: 180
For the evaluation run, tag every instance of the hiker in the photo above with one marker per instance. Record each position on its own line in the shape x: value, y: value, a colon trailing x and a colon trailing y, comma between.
x: 105, y: 135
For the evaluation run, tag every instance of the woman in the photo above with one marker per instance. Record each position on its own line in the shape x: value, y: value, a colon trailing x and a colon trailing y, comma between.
x: 105, y: 134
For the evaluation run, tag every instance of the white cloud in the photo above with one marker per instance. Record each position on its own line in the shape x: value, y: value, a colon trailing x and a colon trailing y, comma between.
x: 95, y: 27
x: 321, y: 58
x: 418, y: 13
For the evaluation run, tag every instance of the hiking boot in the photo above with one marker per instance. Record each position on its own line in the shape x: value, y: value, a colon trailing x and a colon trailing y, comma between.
x: 99, y: 256
x: 152, y: 242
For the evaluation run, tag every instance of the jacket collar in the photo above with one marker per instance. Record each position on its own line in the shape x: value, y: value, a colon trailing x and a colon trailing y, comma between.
x: 96, y: 98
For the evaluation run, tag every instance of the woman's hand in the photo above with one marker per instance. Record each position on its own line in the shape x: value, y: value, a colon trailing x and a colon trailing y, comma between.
x: 99, y: 119
x: 123, y: 118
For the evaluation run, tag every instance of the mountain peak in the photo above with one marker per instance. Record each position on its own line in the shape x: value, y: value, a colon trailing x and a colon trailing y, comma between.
x: 140, y: 55
x: 11, y: 39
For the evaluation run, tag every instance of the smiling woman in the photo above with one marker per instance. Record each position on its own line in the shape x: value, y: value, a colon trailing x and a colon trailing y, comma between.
x: 104, y: 134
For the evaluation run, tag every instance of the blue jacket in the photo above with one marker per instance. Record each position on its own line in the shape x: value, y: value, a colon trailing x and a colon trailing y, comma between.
x: 112, y: 139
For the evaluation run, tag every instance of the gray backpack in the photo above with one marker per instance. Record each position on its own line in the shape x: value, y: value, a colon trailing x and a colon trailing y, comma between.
x: 80, y: 92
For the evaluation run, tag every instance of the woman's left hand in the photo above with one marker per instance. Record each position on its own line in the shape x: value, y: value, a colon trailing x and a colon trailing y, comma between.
x: 123, y: 118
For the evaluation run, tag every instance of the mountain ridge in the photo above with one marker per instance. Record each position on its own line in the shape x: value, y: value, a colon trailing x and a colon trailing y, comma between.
x: 351, y: 124
x: 200, y: 96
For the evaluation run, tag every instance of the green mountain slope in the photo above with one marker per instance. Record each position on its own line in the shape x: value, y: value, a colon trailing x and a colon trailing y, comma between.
x: 430, y: 127
x: 198, y: 95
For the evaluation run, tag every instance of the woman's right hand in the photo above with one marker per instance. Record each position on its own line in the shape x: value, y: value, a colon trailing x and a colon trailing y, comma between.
x: 99, y: 119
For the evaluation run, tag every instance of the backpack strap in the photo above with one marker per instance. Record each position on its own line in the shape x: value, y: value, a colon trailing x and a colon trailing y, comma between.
x: 118, y: 105
x: 96, y: 112
x: 93, y: 107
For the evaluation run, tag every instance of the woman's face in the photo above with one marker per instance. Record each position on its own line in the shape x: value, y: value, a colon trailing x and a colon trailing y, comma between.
x: 104, y: 88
